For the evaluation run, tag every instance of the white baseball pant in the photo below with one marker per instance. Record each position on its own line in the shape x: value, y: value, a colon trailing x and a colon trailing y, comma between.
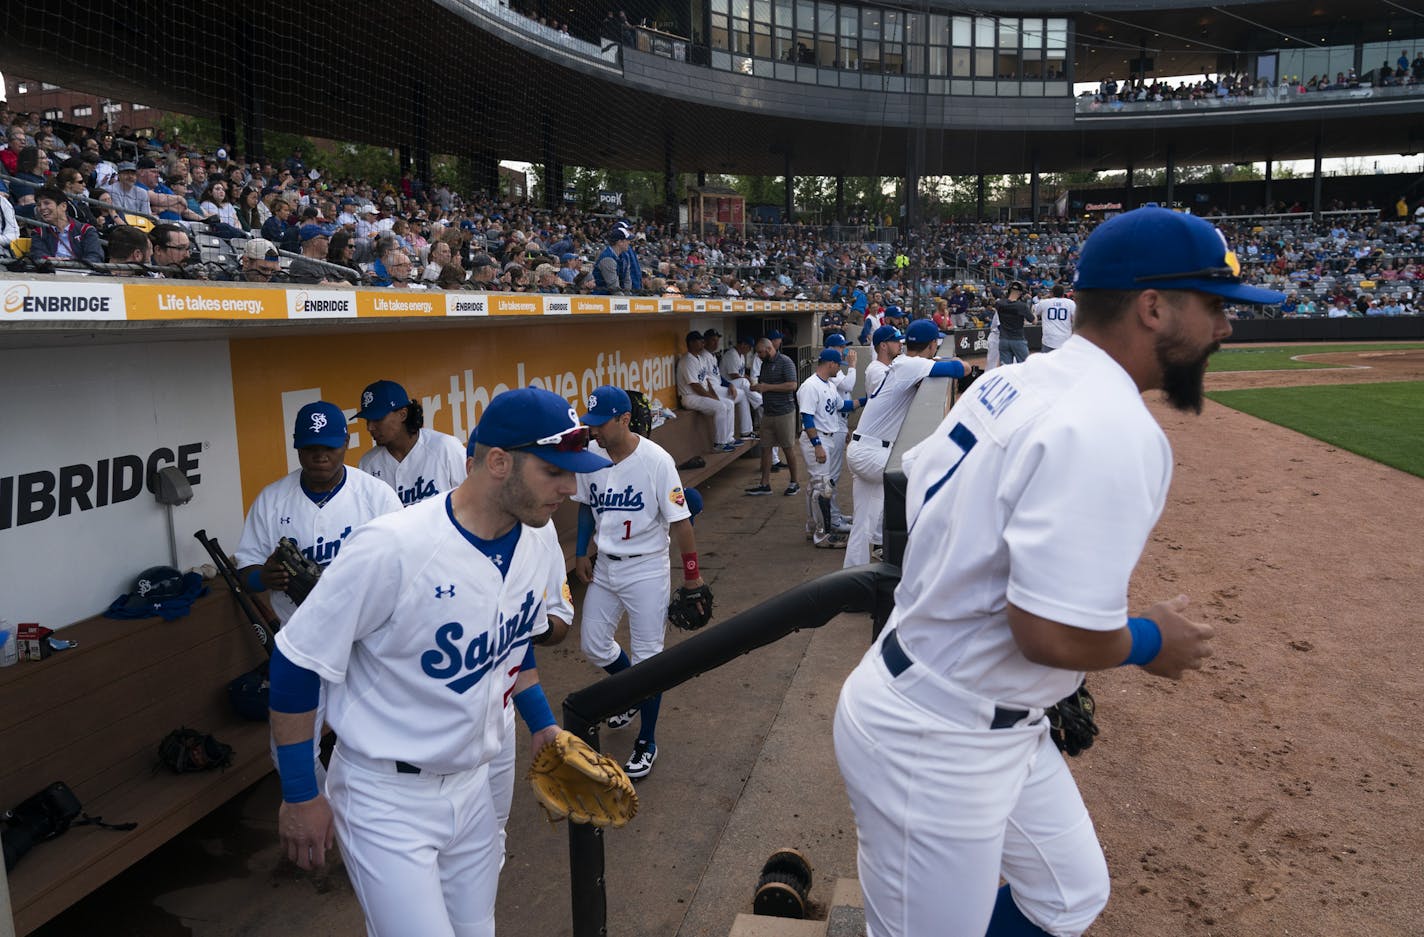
x: 866, y: 457
x: 423, y: 852
x: 944, y: 805
x: 991, y: 360
x: 835, y: 467
x: 819, y: 477
x: 719, y: 409
x: 744, y: 403
x: 640, y: 585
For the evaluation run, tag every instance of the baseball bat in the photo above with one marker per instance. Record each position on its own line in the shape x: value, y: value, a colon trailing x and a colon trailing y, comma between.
x: 265, y: 630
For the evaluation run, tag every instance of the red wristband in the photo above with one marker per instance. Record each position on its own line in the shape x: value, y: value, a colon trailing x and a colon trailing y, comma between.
x: 689, y: 567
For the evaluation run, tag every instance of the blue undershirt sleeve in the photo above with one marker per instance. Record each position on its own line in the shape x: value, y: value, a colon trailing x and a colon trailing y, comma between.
x: 291, y: 689
x: 808, y: 421
x: 585, y: 530
x: 947, y: 369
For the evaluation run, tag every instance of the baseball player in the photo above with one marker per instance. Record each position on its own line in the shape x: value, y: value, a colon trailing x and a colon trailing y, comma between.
x: 1056, y: 314
x: 418, y: 463
x: 991, y: 353
x: 696, y: 388
x: 737, y: 365
x: 888, y: 344
x: 879, y: 425
x: 844, y: 382
x: 421, y: 633
x: 1028, y: 508
x: 627, y: 510
x: 727, y: 389
x: 823, y: 431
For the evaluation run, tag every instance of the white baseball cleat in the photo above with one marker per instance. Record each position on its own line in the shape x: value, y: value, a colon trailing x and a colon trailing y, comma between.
x: 622, y: 719
x: 640, y: 763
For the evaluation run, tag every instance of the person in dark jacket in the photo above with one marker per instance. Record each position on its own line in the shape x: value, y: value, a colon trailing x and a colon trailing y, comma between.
x: 1013, y: 313
x: 65, y: 239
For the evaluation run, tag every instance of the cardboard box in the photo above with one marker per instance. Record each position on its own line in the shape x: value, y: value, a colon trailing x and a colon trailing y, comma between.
x: 34, y: 640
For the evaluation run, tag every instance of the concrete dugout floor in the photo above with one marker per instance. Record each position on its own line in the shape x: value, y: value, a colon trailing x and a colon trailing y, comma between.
x: 745, y: 767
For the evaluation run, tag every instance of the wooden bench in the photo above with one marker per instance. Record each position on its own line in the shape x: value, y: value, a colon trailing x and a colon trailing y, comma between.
x: 93, y: 717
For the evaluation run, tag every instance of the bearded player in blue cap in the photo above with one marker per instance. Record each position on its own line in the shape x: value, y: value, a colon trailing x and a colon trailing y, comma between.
x: 421, y: 633
x: 1028, y: 508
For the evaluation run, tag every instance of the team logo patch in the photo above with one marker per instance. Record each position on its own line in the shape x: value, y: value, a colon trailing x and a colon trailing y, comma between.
x: 318, y: 422
x: 145, y: 587
x: 367, y: 399
x: 592, y: 401
x: 567, y: 593
x: 677, y: 497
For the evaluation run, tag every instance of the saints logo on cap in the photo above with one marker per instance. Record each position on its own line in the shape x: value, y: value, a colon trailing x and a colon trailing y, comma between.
x: 318, y: 422
x: 367, y: 399
x: 573, y: 416
x: 144, y: 587
x: 592, y: 401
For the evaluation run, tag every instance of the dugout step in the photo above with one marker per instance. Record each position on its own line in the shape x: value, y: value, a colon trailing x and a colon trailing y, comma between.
x: 845, y: 918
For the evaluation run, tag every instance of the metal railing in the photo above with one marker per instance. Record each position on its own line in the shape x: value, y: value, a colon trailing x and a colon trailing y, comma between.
x: 1092, y: 105
x: 809, y: 605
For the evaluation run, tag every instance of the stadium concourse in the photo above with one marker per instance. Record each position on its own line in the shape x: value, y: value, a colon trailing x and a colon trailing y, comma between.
x: 1355, y: 261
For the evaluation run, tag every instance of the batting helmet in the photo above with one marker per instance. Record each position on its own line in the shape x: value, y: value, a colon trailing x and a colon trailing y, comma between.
x: 153, y: 585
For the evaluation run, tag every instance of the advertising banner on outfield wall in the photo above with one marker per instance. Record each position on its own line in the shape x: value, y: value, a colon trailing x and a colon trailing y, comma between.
x: 61, y: 300
x: 78, y: 517
x: 453, y: 372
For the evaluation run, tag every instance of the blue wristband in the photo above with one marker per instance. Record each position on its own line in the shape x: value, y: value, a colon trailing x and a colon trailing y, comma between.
x: 254, y: 581
x: 533, y: 708
x: 1146, y: 641
x: 296, y: 763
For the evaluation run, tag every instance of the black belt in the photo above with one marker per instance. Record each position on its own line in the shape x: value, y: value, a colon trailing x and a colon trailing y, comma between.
x: 405, y: 767
x: 884, y: 444
x: 897, y: 662
x: 634, y: 556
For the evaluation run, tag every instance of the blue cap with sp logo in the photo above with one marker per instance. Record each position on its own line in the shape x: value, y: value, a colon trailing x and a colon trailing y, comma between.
x: 320, y: 424
x: 381, y: 398
x: 535, y: 420
x: 605, y: 403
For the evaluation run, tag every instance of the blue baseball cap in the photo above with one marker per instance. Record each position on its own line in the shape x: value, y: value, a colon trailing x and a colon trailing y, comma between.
x: 694, y: 500
x: 535, y: 420
x: 605, y: 403
x: 381, y: 398
x: 319, y: 424
x: 922, y: 330
x: 310, y: 231
x: 835, y: 340
x: 887, y: 333
x: 565, y: 258
x: 1154, y: 248
x: 773, y: 335
x: 829, y: 354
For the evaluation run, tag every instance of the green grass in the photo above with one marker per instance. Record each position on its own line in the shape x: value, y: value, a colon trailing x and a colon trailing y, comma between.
x: 1278, y: 358
x: 1378, y: 421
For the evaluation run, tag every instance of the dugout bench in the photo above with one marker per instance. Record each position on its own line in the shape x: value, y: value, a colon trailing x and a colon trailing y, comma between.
x: 93, y: 717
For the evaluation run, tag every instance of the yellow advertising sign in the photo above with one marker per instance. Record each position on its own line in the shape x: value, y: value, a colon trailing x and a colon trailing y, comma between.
x: 639, y: 304
x: 175, y: 300
x: 684, y: 305
x: 589, y: 305
x: 516, y: 304
x: 452, y: 371
x: 398, y: 303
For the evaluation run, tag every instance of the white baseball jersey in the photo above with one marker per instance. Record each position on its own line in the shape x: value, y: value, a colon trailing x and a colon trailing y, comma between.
x: 634, y: 500
x: 418, y: 638
x: 695, y: 370
x: 435, y: 464
x: 1041, y: 485
x: 1056, y: 313
x: 874, y: 374
x: 283, y: 509
x: 888, y: 404
x: 733, y: 364
x: 822, y: 400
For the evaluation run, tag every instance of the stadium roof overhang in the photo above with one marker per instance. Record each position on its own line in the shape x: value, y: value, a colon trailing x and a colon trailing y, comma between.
x: 357, y: 71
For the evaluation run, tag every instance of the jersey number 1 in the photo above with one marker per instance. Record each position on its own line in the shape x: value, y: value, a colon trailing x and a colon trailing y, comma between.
x: 627, y: 530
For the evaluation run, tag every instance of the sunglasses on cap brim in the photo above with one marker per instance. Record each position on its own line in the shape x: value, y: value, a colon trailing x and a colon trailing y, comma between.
x: 573, y: 439
x: 1208, y: 273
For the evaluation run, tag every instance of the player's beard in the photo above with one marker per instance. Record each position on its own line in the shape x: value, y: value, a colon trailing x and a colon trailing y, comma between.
x: 1183, y: 371
x: 518, y: 500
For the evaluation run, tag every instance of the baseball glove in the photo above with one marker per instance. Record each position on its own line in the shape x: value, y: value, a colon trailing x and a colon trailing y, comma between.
x: 185, y: 750
x: 1070, y: 722
x: 642, y: 413
x: 572, y: 780
x: 302, y: 573
x: 690, y: 609
x: 970, y: 378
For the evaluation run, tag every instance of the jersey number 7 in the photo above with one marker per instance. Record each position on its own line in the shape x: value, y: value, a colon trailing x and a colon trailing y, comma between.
x: 961, y: 436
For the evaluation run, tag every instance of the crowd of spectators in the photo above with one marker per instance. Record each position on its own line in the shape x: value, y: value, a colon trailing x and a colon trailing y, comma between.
x: 1227, y: 86
x: 276, y: 221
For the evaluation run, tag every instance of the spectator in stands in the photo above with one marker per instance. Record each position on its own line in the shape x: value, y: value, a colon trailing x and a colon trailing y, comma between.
x: 172, y: 247
x: 126, y: 193
x: 71, y: 183
x: 606, y: 268
x: 546, y: 279
x: 217, y: 203
x: 129, y: 245
x: 31, y: 174
x: 451, y: 277
x: 260, y: 263
x: 64, y: 239
x: 398, y: 266
x: 342, y: 252
x: 16, y: 140
x: 309, y: 268
x: 9, y: 226
x: 439, y: 257
x: 278, y: 229
x: 247, y: 212
x: 570, y: 267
